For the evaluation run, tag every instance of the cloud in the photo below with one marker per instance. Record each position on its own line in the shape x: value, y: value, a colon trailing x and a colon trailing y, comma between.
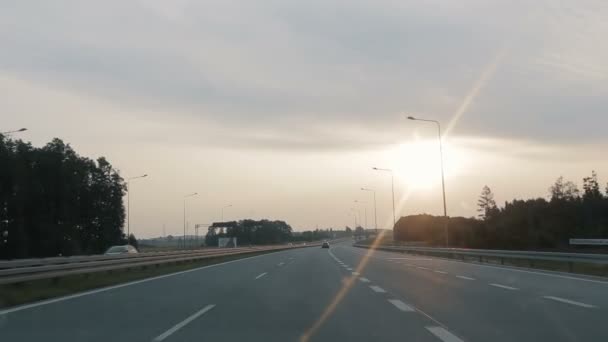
x: 320, y: 74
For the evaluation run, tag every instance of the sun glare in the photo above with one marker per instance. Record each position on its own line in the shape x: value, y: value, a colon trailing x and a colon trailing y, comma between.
x: 418, y: 164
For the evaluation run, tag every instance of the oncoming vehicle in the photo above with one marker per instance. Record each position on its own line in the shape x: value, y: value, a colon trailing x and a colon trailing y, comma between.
x: 117, y: 250
x: 325, y: 245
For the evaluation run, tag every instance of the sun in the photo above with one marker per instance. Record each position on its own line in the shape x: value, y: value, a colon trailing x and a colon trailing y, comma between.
x: 417, y: 163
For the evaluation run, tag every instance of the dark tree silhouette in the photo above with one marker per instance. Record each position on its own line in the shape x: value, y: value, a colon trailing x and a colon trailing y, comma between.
x: 520, y: 224
x: 55, y: 202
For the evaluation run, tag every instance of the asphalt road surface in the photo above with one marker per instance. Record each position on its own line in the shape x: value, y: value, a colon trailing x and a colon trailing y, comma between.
x: 341, y: 294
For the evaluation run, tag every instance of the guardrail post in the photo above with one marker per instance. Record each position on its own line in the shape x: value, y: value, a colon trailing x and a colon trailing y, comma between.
x: 502, y: 260
x: 570, y: 266
x: 531, y: 263
x: 481, y: 258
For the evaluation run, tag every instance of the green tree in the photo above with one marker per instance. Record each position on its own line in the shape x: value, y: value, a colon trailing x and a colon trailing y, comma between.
x: 486, y: 205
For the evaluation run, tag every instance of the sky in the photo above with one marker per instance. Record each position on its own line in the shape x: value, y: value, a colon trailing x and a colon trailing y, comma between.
x: 281, y: 108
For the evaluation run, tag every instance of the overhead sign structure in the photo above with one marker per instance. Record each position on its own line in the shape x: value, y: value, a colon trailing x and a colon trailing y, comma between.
x: 225, y: 242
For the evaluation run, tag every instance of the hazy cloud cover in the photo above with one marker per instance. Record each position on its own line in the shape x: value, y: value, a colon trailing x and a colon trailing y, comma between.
x: 527, y: 79
x: 286, y: 64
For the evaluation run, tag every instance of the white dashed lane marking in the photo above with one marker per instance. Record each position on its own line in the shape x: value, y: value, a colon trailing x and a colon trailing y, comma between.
x: 443, y: 334
x: 423, y: 268
x: 261, y: 275
x: 441, y: 272
x: 504, y: 287
x: 401, y: 305
x: 281, y: 264
x: 465, y: 278
x: 571, y: 302
x: 183, y: 323
x: 364, y: 280
x: 377, y: 289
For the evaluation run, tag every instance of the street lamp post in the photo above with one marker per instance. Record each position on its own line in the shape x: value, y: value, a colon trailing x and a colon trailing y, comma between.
x: 445, y: 210
x: 357, y: 214
x: 185, y: 197
x: 129, y: 203
x: 365, y: 210
x: 392, y: 189
x: 375, y: 208
x: 228, y: 206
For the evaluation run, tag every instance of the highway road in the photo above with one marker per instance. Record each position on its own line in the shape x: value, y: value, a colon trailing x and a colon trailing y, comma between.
x: 313, y: 294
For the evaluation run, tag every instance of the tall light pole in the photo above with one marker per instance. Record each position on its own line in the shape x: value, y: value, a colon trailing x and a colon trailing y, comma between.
x: 129, y: 203
x: 16, y: 131
x: 185, y: 197
x: 375, y: 208
x: 393, y: 190
x: 445, y: 210
x: 365, y: 209
x: 228, y: 206
x: 357, y: 215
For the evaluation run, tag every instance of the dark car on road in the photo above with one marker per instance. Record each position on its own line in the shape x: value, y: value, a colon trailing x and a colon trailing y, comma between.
x: 325, y: 245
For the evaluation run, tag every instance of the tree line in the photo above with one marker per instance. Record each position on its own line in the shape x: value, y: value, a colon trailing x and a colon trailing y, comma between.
x: 266, y: 232
x: 55, y: 202
x: 520, y: 224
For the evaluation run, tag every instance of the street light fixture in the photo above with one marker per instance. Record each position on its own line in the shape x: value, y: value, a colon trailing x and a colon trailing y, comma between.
x: 185, y: 197
x: 16, y: 131
x: 393, y: 190
x: 129, y: 202
x: 445, y: 210
x: 228, y: 206
x: 375, y: 208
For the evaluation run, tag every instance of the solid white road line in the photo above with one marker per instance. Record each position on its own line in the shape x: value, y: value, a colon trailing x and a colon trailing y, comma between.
x: 401, y: 305
x: 465, y: 278
x: 364, y: 280
x: 504, y: 268
x: 504, y: 287
x: 109, y: 288
x: 183, y: 323
x: 441, y: 272
x: 568, y: 301
x: 356, y: 273
x: 261, y: 275
x: 377, y: 289
x: 443, y: 334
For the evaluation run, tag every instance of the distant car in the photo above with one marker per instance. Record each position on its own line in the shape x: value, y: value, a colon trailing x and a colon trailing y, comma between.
x: 325, y: 245
x: 117, y: 250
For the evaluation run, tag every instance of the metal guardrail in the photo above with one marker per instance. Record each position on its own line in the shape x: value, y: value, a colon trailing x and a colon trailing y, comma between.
x: 501, y: 256
x: 57, y: 267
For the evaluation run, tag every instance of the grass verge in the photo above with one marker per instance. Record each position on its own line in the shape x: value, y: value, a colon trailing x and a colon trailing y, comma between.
x: 36, y: 290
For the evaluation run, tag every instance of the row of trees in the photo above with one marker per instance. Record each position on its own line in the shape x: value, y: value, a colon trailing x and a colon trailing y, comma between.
x: 266, y: 232
x: 521, y: 224
x: 253, y: 232
x: 55, y: 202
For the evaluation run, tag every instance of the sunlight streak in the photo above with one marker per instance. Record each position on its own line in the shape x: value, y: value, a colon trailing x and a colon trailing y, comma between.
x: 486, y: 74
x: 343, y: 291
